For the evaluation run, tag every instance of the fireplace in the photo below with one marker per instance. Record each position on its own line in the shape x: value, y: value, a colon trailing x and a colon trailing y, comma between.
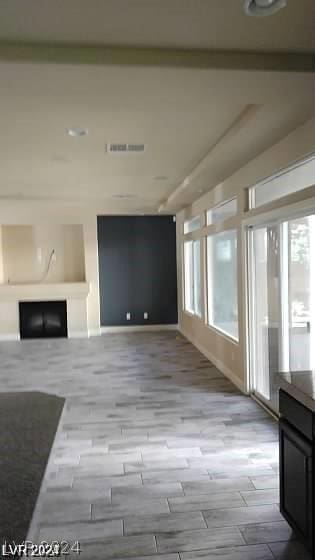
x: 43, y: 319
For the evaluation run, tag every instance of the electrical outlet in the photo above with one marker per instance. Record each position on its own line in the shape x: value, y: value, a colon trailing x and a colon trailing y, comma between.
x: 146, y: 315
x: 128, y: 316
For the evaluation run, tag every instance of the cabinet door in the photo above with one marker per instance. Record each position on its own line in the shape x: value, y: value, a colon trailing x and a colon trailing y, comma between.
x: 296, y: 480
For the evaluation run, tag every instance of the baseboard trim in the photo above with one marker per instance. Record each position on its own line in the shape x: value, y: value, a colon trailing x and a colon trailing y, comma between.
x: 138, y: 328
x: 94, y: 332
x: 9, y: 337
x: 265, y: 407
x: 218, y: 364
x: 78, y: 334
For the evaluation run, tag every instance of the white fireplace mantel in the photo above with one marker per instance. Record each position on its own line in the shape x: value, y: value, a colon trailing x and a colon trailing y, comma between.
x: 75, y: 294
x: 27, y: 292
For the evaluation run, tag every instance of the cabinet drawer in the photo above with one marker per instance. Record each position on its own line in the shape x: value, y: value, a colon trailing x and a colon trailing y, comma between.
x: 297, y: 414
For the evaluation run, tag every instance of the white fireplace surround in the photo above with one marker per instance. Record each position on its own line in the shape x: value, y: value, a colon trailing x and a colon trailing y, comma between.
x: 74, y: 293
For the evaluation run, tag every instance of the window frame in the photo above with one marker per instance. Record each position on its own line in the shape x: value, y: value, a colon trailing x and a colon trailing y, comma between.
x: 193, y: 311
x: 212, y: 326
x: 221, y: 205
x: 251, y: 190
x: 198, y: 219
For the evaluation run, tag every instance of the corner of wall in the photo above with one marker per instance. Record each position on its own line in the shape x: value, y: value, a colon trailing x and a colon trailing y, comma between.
x: 91, y: 274
x: 1, y: 258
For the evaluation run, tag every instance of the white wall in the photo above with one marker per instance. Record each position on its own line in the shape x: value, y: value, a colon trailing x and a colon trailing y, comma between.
x: 27, y: 252
x: 1, y: 258
x: 50, y: 214
x: 227, y: 354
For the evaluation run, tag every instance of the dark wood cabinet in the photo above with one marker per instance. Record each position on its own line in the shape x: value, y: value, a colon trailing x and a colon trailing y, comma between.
x: 296, y: 469
x: 296, y: 481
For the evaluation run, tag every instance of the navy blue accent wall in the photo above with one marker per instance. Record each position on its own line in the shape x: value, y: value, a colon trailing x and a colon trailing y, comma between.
x: 137, y: 270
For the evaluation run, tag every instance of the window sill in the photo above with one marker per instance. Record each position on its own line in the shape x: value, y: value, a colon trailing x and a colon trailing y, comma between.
x: 224, y: 334
x: 192, y: 315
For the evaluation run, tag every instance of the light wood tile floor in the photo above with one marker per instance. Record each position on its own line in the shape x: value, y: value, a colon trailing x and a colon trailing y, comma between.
x: 158, y: 455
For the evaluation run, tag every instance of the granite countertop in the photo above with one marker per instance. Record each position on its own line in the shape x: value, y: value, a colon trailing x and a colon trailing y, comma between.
x: 300, y: 385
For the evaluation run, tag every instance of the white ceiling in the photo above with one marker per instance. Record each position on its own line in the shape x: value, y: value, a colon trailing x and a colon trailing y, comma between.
x: 180, y: 114
x: 215, y: 24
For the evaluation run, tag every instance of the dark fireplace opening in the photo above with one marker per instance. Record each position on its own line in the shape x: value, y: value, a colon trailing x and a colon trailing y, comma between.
x: 43, y: 319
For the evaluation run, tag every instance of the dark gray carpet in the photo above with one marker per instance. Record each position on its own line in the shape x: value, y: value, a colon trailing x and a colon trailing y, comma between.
x: 28, y: 423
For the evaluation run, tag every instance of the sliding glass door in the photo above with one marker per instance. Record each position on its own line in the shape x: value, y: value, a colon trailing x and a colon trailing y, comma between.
x: 265, y: 312
x: 301, y: 292
x: 282, y: 302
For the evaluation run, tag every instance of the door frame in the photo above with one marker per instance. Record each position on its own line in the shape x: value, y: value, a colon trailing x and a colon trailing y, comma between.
x: 269, y: 403
x: 288, y: 211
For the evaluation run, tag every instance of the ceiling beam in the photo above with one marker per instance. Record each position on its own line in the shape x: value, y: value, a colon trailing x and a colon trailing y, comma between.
x: 245, y: 116
x: 155, y: 57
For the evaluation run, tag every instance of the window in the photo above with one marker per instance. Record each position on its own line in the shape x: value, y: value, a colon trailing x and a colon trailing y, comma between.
x: 192, y: 277
x: 192, y: 225
x: 282, y: 302
x: 222, y: 282
x: 294, y: 179
x: 222, y: 212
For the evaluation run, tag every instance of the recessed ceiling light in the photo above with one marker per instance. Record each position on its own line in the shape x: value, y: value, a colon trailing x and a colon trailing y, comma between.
x: 261, y: 8
x: 75, y: 132
x: 160, y: 178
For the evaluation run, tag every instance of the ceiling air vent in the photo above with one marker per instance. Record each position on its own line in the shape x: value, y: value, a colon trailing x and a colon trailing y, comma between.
x: 125, y: 148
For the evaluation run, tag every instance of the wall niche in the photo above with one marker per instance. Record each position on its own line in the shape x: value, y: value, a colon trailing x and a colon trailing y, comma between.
x: 49, y: 254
